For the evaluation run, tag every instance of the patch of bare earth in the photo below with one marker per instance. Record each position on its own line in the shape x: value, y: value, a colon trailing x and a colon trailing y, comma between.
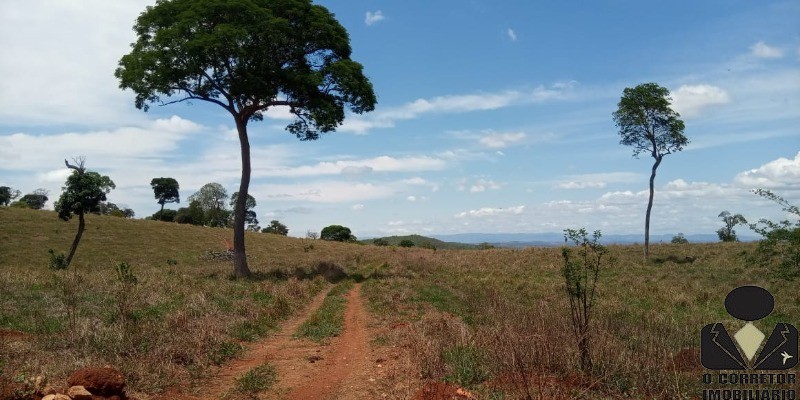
x: 347, y: 367
x: 273, y: 347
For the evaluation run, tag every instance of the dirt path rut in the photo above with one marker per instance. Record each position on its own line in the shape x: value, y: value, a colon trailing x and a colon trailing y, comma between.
x: 345, y: 359
x: 255, y: 355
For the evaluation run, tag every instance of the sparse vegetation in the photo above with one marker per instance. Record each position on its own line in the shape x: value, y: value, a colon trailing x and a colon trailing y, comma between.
x: 328, y: 320
x: 581, y: 272
x: 780, y: 247
x: 679, y: 239
x: 496, y: 321
x: 257, y: 380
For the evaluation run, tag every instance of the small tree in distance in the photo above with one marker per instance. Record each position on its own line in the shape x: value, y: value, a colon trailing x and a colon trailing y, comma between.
x: 36, y: 200
x: 406, y: 243
x: 277, y: 228
x: 82, y: 194
x: 7, y: 195
x: 166, y: 190
x: 727, y: 233
x: 337, y: 233
x: 679, y: 239
x: 648, y: 124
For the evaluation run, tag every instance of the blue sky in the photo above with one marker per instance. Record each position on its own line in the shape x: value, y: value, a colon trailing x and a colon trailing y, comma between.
x: 492, y: 116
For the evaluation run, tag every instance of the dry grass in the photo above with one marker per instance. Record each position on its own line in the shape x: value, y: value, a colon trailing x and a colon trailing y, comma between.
x: 494, y: 320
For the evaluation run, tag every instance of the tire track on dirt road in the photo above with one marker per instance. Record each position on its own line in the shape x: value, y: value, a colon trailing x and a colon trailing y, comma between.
x: 346, y: 358
x: 256, y: 354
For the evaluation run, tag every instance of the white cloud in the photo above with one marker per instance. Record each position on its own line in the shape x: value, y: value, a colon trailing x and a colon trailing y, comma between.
x: 596, y: 181
x: 580, y: 185
x: 359, y: 167
x: 501, y: 140
x: 511, y: 35
x: 689, y: 100
x: 482, y: 185
x: 452, y: 104
x: 763, y: 50
x: 62, y: 56
x: 488, y: 212
x: 411, y: 198
x: 281, y: 113
x: 324, y: 192
x: 373, y: 17
x: 103, y: 147
x: 782, y: 173
x: 357, y: 207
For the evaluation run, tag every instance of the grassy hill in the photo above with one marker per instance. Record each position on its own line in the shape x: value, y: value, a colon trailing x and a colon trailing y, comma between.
x: 422, y: 241
x: 473, y: 317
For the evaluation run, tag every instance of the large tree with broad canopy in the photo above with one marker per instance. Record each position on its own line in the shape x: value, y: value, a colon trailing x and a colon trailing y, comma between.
x: 246, y: 56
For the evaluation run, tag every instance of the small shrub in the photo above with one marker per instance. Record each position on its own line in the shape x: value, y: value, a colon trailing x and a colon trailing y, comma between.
x: 125, y: 274
x: 57, y: 261
x: 257, y: 380
x: 406, y: 243
x: 172, y: 261
x: 581, y: 273
x: 380, y: 242
x: 465, y: 364
x: 224, y: 352
x: 679, y: 239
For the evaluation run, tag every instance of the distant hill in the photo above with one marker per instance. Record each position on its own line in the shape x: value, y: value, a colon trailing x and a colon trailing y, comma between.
x: 557, y: 239
x: 422, y: 241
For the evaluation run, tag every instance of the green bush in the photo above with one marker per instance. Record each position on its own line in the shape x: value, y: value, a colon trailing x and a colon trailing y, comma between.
x: 406, y: 243
x: 57, y: 261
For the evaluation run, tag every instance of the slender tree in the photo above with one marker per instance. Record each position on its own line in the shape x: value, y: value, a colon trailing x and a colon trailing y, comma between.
x: 648, y: 124
x: 247, y: 56
x: 83, y: 193
x: 166, y: 190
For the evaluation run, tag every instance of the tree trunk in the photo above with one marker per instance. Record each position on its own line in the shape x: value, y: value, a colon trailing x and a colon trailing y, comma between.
x: 240, y: 268
x: 650, y: 208
x: 81, y: 227
x: 161, y: 213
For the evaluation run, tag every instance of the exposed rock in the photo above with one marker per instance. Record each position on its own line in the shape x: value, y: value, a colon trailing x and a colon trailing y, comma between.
x: 56, y: 397
x: 49, y: 390
x: 99, y: 381
x: 79, y: 393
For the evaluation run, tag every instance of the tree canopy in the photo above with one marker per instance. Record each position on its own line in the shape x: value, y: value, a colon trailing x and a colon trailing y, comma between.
x: 276, y: 227
x: 647, y: 123
x: 337, y: 233
x: 165, y: 190
x: 247, y: 56
x: 36, y: 200
x: 212, y: 200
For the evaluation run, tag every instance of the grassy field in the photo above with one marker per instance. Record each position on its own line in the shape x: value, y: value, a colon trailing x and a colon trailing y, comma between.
x: 495, y: 321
